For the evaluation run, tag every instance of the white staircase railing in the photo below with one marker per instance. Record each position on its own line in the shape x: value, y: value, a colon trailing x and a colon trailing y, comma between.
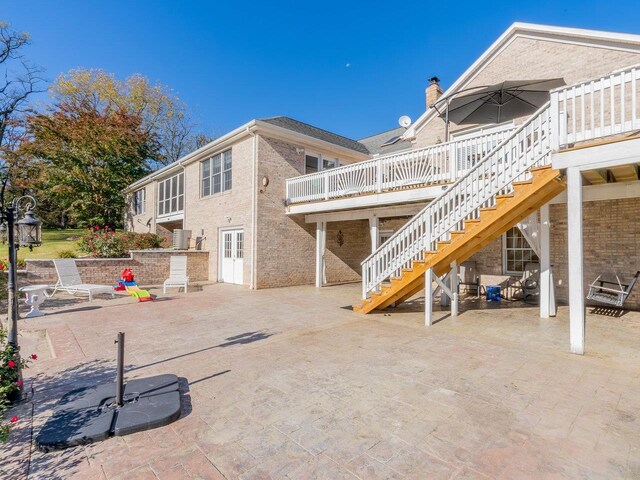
x: 526, y: 147
x: 440, y: 163
x: 596, y: 108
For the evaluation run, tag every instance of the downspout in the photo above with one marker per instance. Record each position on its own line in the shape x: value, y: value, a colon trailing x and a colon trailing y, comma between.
x: 184, y: 192
x: 254, y: 208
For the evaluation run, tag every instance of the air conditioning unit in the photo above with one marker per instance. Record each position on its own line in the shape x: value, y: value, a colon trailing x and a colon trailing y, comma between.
x: 181, y: 239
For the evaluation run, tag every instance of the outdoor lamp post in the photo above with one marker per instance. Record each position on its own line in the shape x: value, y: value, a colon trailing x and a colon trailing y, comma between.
x: 26, y: 233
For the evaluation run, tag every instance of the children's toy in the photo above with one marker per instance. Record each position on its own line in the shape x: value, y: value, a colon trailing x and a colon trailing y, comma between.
x: 128, y: 284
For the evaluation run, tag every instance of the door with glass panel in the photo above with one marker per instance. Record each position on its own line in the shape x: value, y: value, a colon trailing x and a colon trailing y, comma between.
x: 232, y: 256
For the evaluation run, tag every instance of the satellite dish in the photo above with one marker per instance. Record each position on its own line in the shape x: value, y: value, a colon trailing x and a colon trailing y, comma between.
x: 404, y: 121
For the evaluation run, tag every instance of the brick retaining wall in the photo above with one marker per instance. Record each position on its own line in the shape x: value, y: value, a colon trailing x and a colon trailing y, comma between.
x: 150, y: 267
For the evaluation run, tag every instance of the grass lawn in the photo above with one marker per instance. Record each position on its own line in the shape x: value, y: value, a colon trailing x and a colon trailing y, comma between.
x: 53, y: 242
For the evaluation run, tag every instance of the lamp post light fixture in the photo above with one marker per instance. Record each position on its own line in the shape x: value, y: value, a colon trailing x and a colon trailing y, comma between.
x: 26, y: 233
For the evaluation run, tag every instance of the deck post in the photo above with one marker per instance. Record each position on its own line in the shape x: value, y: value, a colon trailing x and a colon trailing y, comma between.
x: 374, y: 229
x: 428, y: 298
x: 321, y: 238
x: 576, y: 275
x: 453, y: 284
x: 547, y: 297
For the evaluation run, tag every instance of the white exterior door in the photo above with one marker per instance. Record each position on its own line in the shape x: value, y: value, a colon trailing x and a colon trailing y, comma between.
x: 232, y: 255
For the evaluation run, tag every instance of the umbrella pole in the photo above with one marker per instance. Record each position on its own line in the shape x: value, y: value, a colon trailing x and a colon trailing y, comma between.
x: 446, y: 123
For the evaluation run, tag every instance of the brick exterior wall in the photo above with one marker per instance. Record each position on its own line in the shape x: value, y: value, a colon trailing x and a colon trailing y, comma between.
x: 207, y: 216
x: 611, y: 236
x: 611, y: 245
x: 150, y: 267
x: 527, y: 59
x: 145, y: 222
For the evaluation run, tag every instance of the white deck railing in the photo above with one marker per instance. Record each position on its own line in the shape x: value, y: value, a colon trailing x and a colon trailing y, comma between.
x: 526, y: 147
x: 430, y: 165
x: 596, y: 108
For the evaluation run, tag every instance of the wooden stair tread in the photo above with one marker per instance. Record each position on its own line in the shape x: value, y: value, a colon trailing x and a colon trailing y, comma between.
x: 529, y: 196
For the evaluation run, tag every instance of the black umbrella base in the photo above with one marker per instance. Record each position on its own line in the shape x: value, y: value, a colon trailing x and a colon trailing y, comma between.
x: 88, y: 415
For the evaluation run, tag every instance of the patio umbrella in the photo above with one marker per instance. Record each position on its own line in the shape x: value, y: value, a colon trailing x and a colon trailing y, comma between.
x: 497, y: 103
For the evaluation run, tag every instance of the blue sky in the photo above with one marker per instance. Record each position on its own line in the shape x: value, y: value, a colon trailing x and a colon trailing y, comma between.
x: 349, y: 67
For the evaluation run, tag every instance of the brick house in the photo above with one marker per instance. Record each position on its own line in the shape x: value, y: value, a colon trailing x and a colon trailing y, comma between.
x: 556, y: 185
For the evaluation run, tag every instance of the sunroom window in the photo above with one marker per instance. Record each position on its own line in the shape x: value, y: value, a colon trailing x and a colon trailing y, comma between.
x: 216, y: 174
x: 171, y: 195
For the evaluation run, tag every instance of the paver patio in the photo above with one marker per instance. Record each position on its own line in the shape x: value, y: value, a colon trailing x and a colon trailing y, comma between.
x: 288, y: 383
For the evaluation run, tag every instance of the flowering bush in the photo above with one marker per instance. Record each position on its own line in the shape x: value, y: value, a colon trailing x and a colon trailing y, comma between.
x: 4, y: 264
x: 10, y: 382
x: 107, y: 243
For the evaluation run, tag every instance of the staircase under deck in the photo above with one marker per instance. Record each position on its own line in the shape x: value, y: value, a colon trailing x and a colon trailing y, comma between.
x: 527, y: 197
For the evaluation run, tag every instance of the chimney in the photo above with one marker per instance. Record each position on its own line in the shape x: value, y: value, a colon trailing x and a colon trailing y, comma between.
x: 433, y: 91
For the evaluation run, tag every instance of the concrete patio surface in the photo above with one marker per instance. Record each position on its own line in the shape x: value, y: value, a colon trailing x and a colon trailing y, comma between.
x: 291, y: 384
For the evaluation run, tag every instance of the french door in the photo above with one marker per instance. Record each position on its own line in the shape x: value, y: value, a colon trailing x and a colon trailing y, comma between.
x: 232, y: 256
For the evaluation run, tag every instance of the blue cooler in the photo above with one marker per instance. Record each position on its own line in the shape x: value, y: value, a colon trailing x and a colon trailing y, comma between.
x: 493, y: 293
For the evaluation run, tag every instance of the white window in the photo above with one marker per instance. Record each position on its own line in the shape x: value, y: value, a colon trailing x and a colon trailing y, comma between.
x: 384, y: 235
x: 516, y: 252
x: 171, y: 195
x: 216, y: 174
x: 138, y: 201
x: 315, y: 162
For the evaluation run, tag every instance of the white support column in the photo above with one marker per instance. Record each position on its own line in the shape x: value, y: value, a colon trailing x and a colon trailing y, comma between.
x: 321, y: 240
x: 547, y: 297
x: 453, y: 284
x: 428, y: 298
x: 576, y: 275
x: 374, y: 229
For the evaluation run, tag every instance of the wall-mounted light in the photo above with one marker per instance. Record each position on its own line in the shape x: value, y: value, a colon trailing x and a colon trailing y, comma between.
x: 340, y: 238
x: 299, y: 150
x: 265, y: 181
x: 227, y: 218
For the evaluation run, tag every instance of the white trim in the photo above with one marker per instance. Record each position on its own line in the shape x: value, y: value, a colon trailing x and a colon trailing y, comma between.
x: 599, y: 156
x: 505, y: 271
x: 174, y: 217
x: 577, y: 36
x: 365, y: 201
x: 254, y: 215
x: 605, y: 191
x: 220, y: 246
x: 575, y: 258
x: 382, y: 212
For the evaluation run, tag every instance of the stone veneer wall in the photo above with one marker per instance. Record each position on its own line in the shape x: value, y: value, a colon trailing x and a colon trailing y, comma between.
x: 150, y: 267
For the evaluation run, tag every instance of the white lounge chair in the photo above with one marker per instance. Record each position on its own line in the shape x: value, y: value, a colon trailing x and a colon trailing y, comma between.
x: 177, y: 273
x: 69, y: 280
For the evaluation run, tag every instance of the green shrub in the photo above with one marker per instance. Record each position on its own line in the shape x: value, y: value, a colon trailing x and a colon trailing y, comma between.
x: 67, y: 254
x: 141, y: 241
x: 106, y: 243
x: 102, y: 243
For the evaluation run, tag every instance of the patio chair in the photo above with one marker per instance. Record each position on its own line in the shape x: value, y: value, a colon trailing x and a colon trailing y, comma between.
x: 177, y: 273
x: 69, y: 280
x: 468, y: 276
x: 610, y: 295
x: 528, y: 284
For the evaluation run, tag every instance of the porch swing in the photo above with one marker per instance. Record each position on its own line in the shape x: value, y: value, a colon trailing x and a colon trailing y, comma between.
x: 609, y: 292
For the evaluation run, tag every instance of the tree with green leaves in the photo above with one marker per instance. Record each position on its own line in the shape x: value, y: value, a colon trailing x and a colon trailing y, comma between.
x: 91, y: 153
x: 163, y: 115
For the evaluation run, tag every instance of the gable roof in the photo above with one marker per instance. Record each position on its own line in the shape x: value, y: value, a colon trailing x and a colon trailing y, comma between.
x: 386, y: 142
x: 611, y: 40
x: 315, y: 132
